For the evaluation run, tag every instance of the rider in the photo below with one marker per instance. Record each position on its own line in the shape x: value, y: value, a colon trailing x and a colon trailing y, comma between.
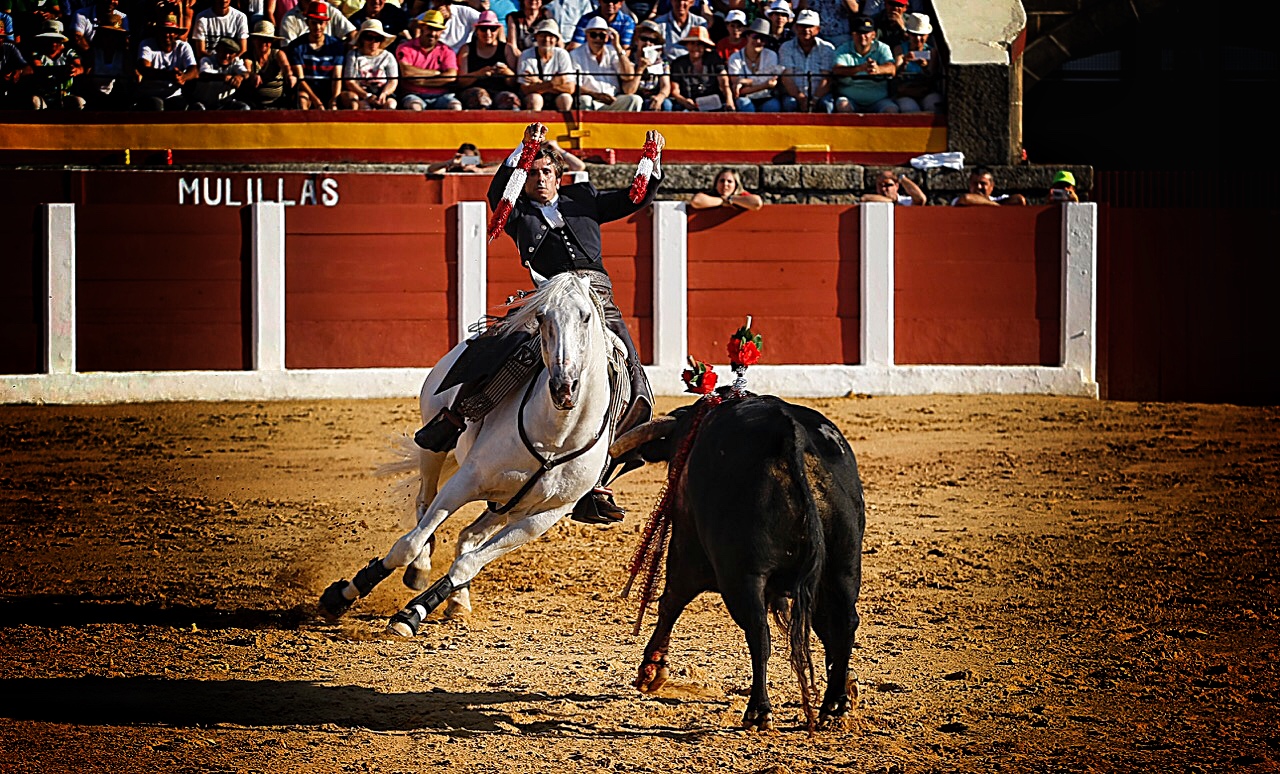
x: 557, y: 229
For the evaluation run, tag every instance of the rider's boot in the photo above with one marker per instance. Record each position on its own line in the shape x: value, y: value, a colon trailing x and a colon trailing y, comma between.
x: 442, y: 432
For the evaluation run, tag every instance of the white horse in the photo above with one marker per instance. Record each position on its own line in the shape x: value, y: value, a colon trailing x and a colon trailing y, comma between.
x: 564, y: 415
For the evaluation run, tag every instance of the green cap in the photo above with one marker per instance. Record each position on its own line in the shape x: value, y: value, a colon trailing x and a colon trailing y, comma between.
x: 1065, y: 177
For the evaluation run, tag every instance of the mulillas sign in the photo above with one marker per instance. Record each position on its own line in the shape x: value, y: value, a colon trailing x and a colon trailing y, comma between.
x: 221, y: 191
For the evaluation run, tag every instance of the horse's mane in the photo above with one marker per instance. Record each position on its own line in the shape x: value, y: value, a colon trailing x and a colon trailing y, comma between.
x: 552, y: 294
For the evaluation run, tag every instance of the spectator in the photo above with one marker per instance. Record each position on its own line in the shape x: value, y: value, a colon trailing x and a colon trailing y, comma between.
x: 520, y: 24
x: 219, y: 21
x: 488, y: 68
x: 545, y: 71
x: 502, y: 9
x: 567, y: 13
x: 889, y: 187
x: 465, y: 161
x: 295, y: 24
x: 7, y: 33
x: 370, y: 74
x: 13, y: 68
x: 459, y: 23
x: 428, y: 68
x: 915, y: 87
x: 727, y: 192
x: 754, y: 73
x: 735, y: 23
x: 54, y: 67
x: 806, y: 60
x: 317, y: 60
x: 602, y: 67
x: 221, y: 73
x: 347, y: 8
x: 1063, y: 188
x: 394, y: 19
x: 653, y: 74
x: 87, y: 20
x: 982, y: 188
x: 835, y: 15
x: 890, y: 24
x: 699, y: 79
x: 677, y: 25
x: 112, y: 77
x: 269, y: 73
x: 860, y: 70
x: 610, y: 11
x: 27, y: 17
x: 779, y: 15
x: 165, y: 63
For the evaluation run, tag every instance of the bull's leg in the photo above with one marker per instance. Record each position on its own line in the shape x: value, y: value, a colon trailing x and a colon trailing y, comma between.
x: 341, y: 595
x: 746, y: 603
x: 406, y: 622
x: 688, y: 575
x: 835, y: 622
x: 471, y: 538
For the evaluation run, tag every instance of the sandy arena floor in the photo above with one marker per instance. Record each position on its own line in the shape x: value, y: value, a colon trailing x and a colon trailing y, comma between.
x: 1049, y: 584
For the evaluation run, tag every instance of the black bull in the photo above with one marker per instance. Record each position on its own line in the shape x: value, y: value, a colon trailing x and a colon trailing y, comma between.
x: 769, y: 506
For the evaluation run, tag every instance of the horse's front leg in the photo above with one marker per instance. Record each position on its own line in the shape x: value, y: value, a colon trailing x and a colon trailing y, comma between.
x: 341, y: 595
x: 470, y: 539
x: 406, y: 622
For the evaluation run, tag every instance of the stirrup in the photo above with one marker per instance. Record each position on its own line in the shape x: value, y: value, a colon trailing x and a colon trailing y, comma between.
x: 441, y: 433
x: 598, y: 507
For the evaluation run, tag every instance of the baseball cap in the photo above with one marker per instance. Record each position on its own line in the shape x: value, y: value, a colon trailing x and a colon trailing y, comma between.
x: 808, y: 18
x: 862, y: 23
x: 736, y: 15
x: 318, y: 9
x: 1065, y: 177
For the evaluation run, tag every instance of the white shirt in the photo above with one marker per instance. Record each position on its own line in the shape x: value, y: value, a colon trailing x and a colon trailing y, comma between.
x: 87, y: 21
x: 596, y: 75
x: 294, y: 24
x: 373, y: 72
x: 767, y: 67
x: 531, y: 66
x: 551, y: 212
x: 462, y: 22
x: 207, y: 27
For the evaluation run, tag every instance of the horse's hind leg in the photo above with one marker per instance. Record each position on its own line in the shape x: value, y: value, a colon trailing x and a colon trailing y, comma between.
x: 341, y: 595
x: 417, y: 574
x: 471, y: 538
x: 406, y: 622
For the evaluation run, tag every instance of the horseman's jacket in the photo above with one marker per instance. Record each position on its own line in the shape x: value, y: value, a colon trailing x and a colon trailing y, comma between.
x: 551, y: 251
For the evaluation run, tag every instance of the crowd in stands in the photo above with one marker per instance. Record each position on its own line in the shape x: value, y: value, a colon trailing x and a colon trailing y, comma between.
x: 621, y: 55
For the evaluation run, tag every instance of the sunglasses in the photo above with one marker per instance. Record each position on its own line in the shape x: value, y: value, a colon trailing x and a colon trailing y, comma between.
x: 597, y: 35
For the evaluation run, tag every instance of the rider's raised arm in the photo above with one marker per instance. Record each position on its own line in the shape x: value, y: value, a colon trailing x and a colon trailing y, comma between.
x: 614, y: 205
x: 499, y: 182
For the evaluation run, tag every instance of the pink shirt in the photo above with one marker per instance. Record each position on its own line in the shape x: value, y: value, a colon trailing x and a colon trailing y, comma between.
x: 440, y: 58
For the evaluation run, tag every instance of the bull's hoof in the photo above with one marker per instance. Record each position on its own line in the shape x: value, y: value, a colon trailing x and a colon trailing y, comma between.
x: 833, y: 722
x: 405, y: 623
x: 758, y: 719
x: 653, y: 675
x: 333, y: 603
x: 416, y: 579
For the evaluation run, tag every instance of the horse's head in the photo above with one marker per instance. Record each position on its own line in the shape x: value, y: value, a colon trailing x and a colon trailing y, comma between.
x: 566, y: 312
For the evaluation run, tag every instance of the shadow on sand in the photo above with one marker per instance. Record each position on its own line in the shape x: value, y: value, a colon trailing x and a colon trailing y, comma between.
x: 82, y: 609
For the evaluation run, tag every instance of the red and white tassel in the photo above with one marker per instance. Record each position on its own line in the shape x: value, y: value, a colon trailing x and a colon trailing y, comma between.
x: 515, y: 185
x: 644, y: 171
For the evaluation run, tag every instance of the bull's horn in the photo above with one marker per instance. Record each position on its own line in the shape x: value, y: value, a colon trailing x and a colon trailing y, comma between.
x: 649, y: 431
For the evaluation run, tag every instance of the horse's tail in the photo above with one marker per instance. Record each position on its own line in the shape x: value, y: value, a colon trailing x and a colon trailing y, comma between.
x: 812, y: 559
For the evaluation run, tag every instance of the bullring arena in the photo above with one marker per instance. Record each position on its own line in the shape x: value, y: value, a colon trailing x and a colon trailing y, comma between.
x: 1067, y: 442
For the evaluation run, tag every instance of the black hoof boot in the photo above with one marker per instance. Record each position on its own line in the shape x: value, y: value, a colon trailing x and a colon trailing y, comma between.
x: 406, y: 622
x: 332, y: 602
x: 370, y: 575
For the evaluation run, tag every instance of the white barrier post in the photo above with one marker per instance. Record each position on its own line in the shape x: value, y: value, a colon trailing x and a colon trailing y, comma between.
x: 473, y: 258
x: 267, y: 224
x: 670, y: 284
x: 60, y: 282
x: 876, y: 221
x: 1079, y: 287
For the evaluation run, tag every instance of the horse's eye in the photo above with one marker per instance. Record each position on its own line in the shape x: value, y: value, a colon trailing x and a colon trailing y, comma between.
x: 586, y: 315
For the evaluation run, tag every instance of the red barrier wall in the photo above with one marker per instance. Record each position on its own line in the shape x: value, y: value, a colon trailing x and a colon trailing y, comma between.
x: 370, y: 286
x: 1187, y: 307
x: 977, y: 285
x: 628, y: 256
x: 22, y: 273
x: 795, y: 268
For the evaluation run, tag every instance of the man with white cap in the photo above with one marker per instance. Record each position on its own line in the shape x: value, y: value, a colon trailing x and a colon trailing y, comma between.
x: 598, y: 65
x: 780, y: 15
x: 611, y: 12
x: 545, y: 72
x: 370, y: 74
x: 735, y: 22
x: 915, y: 87
x: 806, y: 61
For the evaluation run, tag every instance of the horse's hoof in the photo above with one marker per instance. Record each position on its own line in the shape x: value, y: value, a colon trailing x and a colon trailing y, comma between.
x: 400, y: 629
x: 333, y: 603
x: 757, y: 720
x: 827, y: 722
x: 416, y: 579
x: 456, y: 612
x: 404, y: 623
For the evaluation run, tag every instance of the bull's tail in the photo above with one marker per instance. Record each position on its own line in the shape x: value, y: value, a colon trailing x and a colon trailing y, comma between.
x: 813, y: 558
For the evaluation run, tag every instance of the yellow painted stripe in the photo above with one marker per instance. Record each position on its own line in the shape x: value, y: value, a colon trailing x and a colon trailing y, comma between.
x: 728, y: 138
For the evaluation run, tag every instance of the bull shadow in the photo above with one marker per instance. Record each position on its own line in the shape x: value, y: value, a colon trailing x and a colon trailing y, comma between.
x: 130, y: 701
x: 81, y: 609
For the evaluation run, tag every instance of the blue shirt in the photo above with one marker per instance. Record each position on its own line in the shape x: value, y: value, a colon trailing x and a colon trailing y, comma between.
x: 863, y: 89
x: 622, y: 22
x: 324, y: 63
x: 6, y: 25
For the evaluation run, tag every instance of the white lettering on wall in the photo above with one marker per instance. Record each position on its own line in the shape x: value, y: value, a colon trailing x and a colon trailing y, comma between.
x: 216, y: 191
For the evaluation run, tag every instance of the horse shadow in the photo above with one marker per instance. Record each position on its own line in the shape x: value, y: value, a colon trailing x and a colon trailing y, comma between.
x: 84, y: 609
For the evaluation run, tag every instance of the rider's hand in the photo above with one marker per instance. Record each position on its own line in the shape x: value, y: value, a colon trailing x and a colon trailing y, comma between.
x: 657, y: 138
x: 535, y: 132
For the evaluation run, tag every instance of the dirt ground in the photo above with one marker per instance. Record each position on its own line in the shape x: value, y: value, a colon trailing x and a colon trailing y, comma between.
x: 1049, y: 584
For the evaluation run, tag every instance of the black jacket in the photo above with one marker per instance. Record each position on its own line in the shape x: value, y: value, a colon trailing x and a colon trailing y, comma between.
x: 583, y: 209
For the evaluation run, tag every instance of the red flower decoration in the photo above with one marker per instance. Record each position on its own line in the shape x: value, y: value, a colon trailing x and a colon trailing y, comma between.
x: 745, y: 347
x: 699, y: 378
